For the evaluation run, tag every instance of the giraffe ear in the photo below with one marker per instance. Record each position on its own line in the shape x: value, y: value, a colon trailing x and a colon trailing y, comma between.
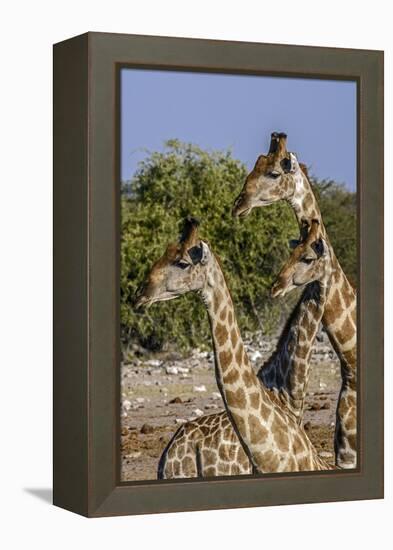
x: 286, y: 165
x: 290, y: 164
x: 293, y: 243
x: 205, y: 253
x: 199, y: 253
x: 318, y: 247
x: 195, y: 253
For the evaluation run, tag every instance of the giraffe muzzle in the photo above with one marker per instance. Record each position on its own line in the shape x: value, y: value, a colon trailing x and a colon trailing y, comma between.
x: 276, y: 290
x: 240, y: 207
x: 142, y: 302
x: 280, y: 287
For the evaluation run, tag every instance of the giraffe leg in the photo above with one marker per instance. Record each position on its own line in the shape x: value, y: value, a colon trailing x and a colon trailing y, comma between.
x: 165, y: 470
x: 206, y: 447
x: 179, y: 459
x: 345, y: 442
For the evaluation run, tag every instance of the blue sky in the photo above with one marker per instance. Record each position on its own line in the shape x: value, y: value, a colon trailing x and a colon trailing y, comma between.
x: 237, y: 112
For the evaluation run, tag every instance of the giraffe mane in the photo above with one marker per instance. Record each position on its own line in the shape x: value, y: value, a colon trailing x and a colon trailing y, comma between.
x: 304, y: 169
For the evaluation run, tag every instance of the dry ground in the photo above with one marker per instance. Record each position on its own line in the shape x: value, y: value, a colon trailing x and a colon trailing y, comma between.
x: 162, y: 391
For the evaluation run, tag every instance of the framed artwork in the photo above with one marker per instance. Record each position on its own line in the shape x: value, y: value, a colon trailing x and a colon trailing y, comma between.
x: 218, y: 274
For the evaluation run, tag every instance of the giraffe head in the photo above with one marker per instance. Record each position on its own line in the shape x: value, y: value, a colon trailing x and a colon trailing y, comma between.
x: 273, y: 178
x: 309, y: 261
x: 182, y: 268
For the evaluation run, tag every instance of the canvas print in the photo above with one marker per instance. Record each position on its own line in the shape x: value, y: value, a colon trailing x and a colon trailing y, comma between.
x: 238, y: 266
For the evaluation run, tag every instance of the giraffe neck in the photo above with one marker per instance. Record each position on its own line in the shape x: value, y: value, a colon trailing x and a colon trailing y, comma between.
x: 261, y: 423
x: 341, y: 298
x: 232, y: 364
x: 303, y: 201
x: 339, y: 320
x: 289, y: 366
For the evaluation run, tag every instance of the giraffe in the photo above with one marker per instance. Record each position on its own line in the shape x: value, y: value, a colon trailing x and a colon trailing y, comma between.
x: 268, y: 431
x: 289, y: 366
x: 279, y: 176
x: 211, y: 439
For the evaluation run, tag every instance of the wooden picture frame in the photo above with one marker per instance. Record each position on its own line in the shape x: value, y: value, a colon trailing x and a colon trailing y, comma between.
x: 86, y: 267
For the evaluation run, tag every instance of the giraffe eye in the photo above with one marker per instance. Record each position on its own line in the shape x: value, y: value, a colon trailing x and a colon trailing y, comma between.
x: 274, y: 175
x: 182, y: 265
x: 307, y: 261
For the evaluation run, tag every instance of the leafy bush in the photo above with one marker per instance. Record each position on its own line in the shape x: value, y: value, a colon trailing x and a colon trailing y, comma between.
x: 185, y: 180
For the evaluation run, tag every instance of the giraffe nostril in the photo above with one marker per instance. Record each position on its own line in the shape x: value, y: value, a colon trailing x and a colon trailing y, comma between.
x: 274, y: 290
x: 277, y: 287
x: 241, y: 206
x: 236, y: 206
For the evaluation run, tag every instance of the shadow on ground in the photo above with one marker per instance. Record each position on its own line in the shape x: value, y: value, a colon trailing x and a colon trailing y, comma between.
x: 43, y: 494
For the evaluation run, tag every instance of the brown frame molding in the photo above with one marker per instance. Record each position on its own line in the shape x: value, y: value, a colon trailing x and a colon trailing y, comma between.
x: 86, y: 266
